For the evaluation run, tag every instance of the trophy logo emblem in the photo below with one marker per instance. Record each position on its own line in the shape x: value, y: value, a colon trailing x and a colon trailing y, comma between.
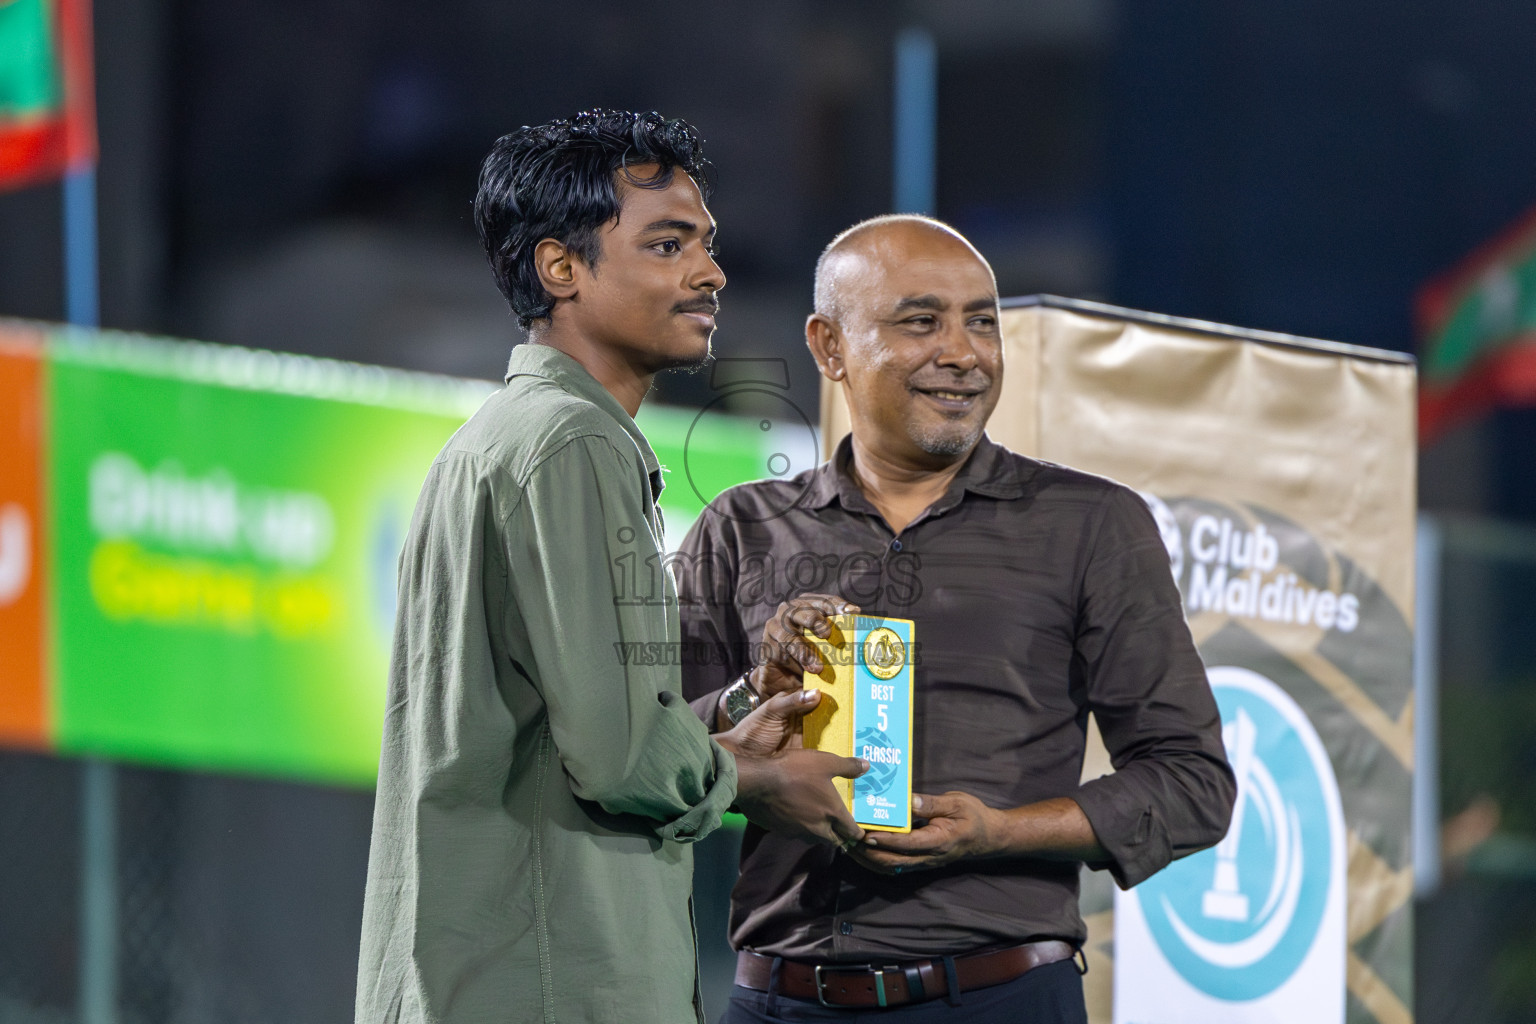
x: 884, y: 653
x: 1261, y: 914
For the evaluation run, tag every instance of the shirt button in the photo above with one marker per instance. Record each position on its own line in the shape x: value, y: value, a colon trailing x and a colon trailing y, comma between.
x: 847, y: 928
x: 895, y: 545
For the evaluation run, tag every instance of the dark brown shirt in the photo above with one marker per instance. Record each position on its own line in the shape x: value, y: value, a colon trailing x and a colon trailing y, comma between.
x: 1039, y: 593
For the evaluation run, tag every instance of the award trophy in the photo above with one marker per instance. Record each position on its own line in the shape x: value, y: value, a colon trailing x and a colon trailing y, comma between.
x: 866, y: 711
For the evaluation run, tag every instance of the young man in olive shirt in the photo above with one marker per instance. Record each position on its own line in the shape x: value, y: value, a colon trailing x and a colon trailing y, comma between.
x: 1040, y: 594
x: 537, y: 794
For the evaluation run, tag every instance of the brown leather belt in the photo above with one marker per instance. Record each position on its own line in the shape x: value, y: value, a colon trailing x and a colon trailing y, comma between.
x: 893, y: 984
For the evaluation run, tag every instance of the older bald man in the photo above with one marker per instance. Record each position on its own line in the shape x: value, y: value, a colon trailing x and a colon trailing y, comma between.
x: 1040, y: 594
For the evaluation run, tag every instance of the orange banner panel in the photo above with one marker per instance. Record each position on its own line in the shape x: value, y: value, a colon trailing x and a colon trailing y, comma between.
x: 23, y: 693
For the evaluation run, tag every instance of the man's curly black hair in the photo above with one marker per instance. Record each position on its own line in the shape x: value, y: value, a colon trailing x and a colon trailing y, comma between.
x: 557, y: 180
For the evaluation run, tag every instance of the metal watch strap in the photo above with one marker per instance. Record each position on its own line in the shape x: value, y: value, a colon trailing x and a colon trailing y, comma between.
x: 740, y: 699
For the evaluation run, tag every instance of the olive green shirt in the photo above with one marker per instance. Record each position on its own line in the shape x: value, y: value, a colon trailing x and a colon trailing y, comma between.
x: 538, y: 792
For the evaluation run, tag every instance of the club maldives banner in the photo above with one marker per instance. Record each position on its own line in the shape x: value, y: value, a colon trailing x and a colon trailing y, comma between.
x: 198, y: 543
x: 47, y: 102
x: 1281, y: 474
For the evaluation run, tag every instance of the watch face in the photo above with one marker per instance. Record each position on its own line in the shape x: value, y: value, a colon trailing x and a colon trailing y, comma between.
x: 740, y: 701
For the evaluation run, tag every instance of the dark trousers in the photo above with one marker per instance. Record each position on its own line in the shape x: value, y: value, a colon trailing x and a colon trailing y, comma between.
x: 1051, y: 994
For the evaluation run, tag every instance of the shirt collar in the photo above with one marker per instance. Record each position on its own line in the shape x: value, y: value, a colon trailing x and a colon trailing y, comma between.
x: 987, y: 470
x: 534, y: 360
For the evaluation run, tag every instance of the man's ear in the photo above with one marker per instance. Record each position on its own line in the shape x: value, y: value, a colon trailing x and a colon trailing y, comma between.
x: 557, y: 267
x: 825, y: 341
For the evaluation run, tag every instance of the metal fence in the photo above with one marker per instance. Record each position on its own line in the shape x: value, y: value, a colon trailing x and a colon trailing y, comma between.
x: 39, y: 869
x: 223, y: 900
x: 1476, y: 914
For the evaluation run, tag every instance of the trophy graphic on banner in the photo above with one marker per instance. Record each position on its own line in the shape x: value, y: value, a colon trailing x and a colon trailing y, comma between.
x: 1224, y: 900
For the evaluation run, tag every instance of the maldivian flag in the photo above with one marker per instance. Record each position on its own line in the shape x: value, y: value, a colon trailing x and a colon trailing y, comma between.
x: 47, y: 101
x: 1478, y: 333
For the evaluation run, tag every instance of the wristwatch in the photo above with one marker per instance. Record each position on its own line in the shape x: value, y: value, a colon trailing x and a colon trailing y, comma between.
x: 740, y: 699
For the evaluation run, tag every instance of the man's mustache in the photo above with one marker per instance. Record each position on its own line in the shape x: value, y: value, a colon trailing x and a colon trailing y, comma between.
x: 707, y: 305
x: 977, y: 381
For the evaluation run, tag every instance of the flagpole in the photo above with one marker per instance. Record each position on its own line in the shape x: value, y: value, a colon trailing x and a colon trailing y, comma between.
x: 914, y: 140
x: 81, y: 294
x: 98, y: 781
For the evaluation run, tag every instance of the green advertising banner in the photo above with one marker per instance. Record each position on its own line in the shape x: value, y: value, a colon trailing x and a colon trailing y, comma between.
x: 225, y: 526
x: 222, y: 527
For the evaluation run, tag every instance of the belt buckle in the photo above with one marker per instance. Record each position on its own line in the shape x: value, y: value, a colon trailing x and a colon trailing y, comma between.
x: 878, y: 972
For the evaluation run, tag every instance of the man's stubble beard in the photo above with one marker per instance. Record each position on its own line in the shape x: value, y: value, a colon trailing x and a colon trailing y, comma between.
x: 683, y: 364
x: 947, y: 440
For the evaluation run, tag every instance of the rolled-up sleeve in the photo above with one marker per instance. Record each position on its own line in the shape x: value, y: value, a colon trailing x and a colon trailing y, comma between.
x: 585, y: 573
x: 1172, y: 790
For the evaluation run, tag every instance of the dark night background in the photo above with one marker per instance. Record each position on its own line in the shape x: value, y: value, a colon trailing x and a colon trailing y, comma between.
x: 299, y: 176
